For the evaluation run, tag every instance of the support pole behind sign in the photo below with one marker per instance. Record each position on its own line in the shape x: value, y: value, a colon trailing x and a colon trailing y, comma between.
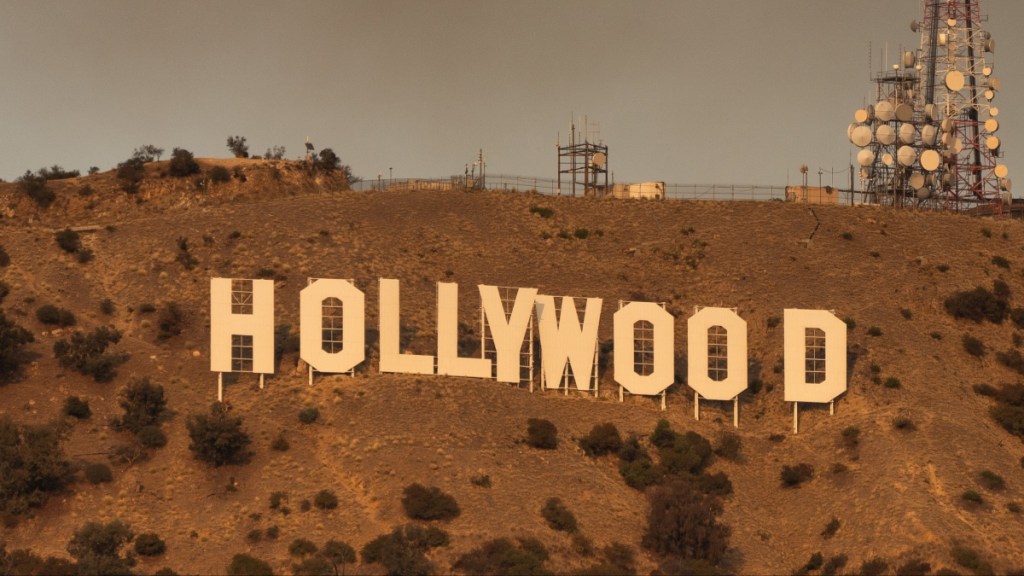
x: 220, y: 386
x: 663, y: 405
x: 736, y: 411
x: 796, y: 428
x: 696, y: 405
x: 832, y: 408
x: 261, y: 380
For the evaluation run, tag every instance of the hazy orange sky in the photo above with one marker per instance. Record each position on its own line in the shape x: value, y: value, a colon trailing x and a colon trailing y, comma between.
x: 730, y: 91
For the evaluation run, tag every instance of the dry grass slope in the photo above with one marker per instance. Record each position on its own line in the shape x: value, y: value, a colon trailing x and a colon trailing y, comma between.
x: 899, y: 497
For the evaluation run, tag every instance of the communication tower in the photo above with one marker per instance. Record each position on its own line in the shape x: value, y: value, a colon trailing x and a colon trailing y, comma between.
x: 929, y: 139
x: 584, y: 162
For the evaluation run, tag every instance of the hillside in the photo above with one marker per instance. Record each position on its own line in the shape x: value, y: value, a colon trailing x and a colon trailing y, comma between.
x: 900, y: 494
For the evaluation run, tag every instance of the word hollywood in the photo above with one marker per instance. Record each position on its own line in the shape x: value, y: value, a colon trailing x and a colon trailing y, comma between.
x: 333, y: 337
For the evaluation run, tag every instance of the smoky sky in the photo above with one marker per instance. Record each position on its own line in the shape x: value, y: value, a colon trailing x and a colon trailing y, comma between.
x: 727, y: 92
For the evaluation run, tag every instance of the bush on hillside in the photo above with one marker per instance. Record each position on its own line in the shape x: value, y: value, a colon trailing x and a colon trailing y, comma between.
x: 603, y: 439
x: 97, y: 548
x: 558, y: 516
x: 77, y: 408
x: 973, y: 346
x: 5, y: 258
x: 422, y: 503
x: 143, y: 403
x: 130, y: 174
x: 503, y: 557
x: 729, y: 444
x: 309, y: 414
x: 87, y: 353
x: 793, y: 476
x: 149, y: 544
x: 326, y: 500
x: 35, y: 188
x: 403, y: 551
x: 683, y: 522
x: 977, y: 305
x: 182, y: 163
x: 238, y: 146
x: 636, y: 467
x: 246, y: 565
x: 13, y: 339
x: 53, y: 316
x: 218, y: 438
x: 169, y: 321
x: 218, y: 175
x: 98, y: 473
x: 541, y: 434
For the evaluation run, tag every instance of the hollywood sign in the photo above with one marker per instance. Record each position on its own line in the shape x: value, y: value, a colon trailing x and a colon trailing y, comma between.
x: 333, y: 340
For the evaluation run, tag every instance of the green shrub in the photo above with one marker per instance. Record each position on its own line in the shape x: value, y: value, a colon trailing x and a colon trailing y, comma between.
x: 301, y: 547
x: 1012, y: 359
x: 873, y: 567
x: 558, y: 516
x: 541, y: 434
x: 4, y: 290
x: 503, y: 557
x: 218, y: 175
x: 774, y: 321
x: 97, y: 548
x: 272, y: 533
x: 542, y: 211
x: 149, y: 544
x: 77, y: 408
x: 35, y: 188
x: 152, y: 437
x: 403, y: 551
x: 874, y: 331
x: 581, y: 233
x: 831, y: 528
x: 984, y: 389
x: 280, y: 443
x: 977, y: 305
x: 992, y: 481
x: 182, y: 163
x: 87, y: 353
x: 309, y: 414
x: 906, y: 313
x: 130, y: 174
x: 729, y: 444
x: 170, y: 321
x: 814, y: 562
x: 684, y: 522
x: 482, y: 480
x: 326, y: 500
x: 636, y: 466
x: 143, y: 403
x: 218, y: 438
x: 793, y: 476
x: 422, y: 503
x: 892, y: 382
x: 972, y: 497
x: 971, y: 559
x: 717, y: 484
x: 602, y: 439
x: 903, y: 423
x: 851, y: 436
x: 53, y: 316
x: 1001, y: 262
x: 689, y: 452
x: 973, y: 346
x: 846, y: 236
x: 276, y: 498
x: 238, y: 146
x: 246, y: 565
x: 69, y: 240
x: 13, y: 339
x: 98, y: 473
x: 5, y: 258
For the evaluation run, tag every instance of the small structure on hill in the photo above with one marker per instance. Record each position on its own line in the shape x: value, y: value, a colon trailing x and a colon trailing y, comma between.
x: 584, y: 163
x: 643, y: 190
x: 812, y: 195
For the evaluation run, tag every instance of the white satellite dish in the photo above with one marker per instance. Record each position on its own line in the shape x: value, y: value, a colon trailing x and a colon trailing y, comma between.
x: 928, y: 134
x: 987, y: 70
x: 1001, y: 171
x: 907, y: 133
x: 995, y: 84
x: 917, y: 180
x: 990, y: 95
x: 932, y: 112
x: 943, y: 37
x: 958, y: 146
x: 951, y: 22
x: 955, y: 80
x: 923, y: 193
x: 904, y: 112
x: 884, y: 110
x: 914, y: 26
x: 887, y: 159
x: 906, y: 155
x: 599, y: 159
x: 1007, y: 184
x: 993, y: 111
x: 909, y: 59
x: 885, y: 134
x: 992, y: 143
x: 861, y: 115
x: 990, y: 45
x: 991, y: 125
x: 865, y: 157
x: 930, y: 160
x: 861, y: 136
x: 866, y: 172
x: 947, y: 125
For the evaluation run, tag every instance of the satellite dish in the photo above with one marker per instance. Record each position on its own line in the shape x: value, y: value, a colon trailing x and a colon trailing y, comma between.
x: 930, y: 160
x: 951, y: 22
x: 993, y: 111
x: 987, y: 70
x: 928, y: 134
x: 992, y: 143
x: 923, y: 193
x: 861, y: 136
x: 904, y: 113
x: 865, y: 157
x: 955, y: 80
x: 1001, y: 171
x: 887, y: 159
x: 885, y: 134
x: 909, y: 59
x: 906, y: 155
x: 862, y: 115
x: 931, y: 180
x: 995, y: 84
x: 958, y: 146
x: 884, y: 110
x: 991, y: 125
x: 990, y: 45
x: 932, y: 111
x: 1007, y: 184
x: 914, y: 26
x: 943, y: 37
x: 917, y: 180
x: 866, y: 172
x: 990, y: 95
x: 599, y: 159
x: 907, y: 133
x: 947, y: 125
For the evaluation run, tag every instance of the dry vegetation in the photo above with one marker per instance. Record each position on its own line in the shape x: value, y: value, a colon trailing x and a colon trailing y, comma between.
x: 895, y: 489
